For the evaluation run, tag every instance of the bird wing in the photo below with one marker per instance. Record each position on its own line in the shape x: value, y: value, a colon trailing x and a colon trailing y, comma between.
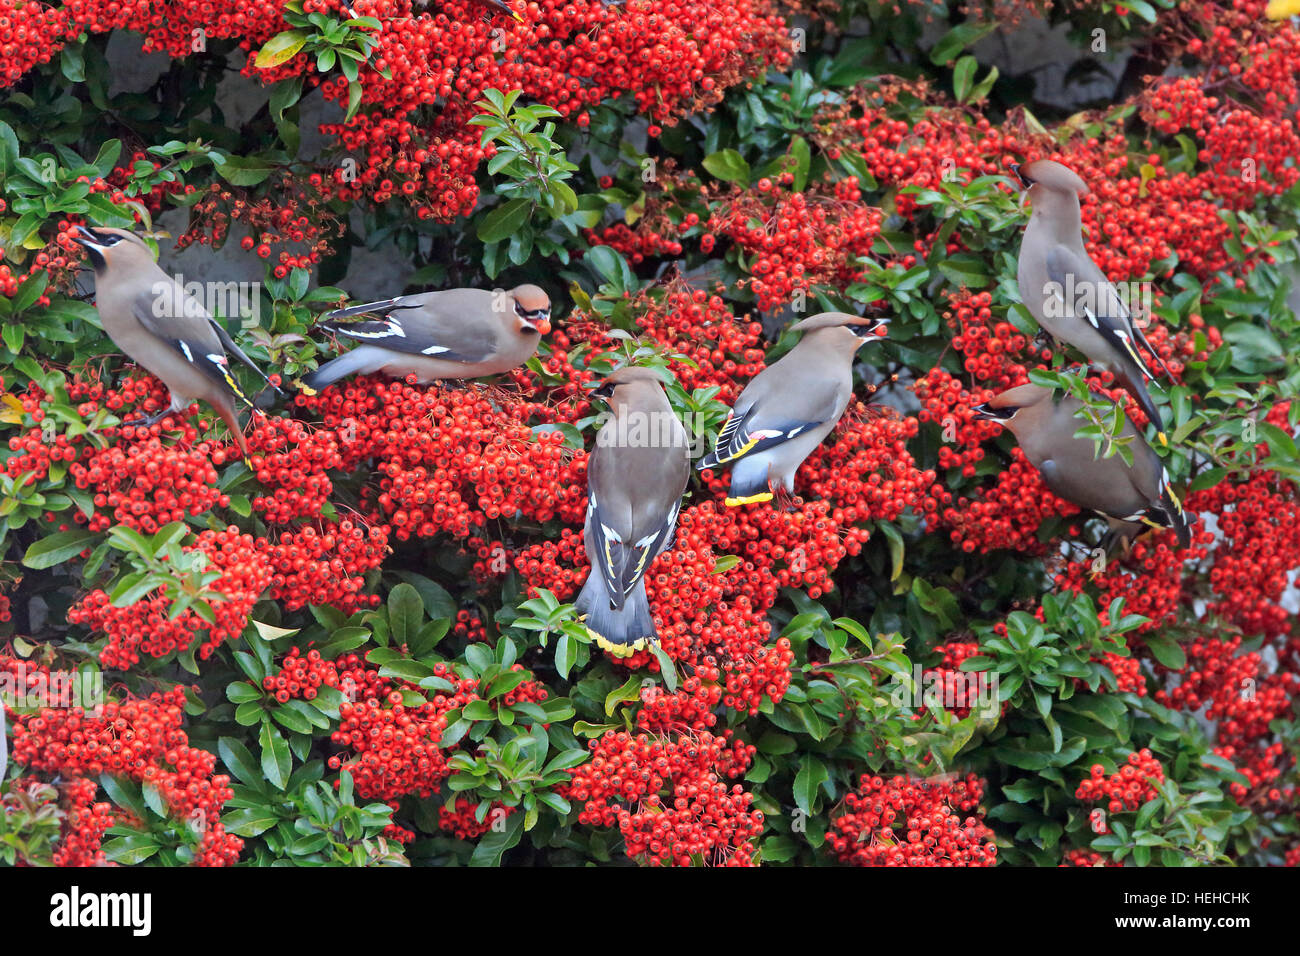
x: 1107, y: 313
x: 182, y: 324
x: 1162, y: 508
x: 439, y: 325
x: 755, y: 425
x: 232, y: 348
x: 632, y: 508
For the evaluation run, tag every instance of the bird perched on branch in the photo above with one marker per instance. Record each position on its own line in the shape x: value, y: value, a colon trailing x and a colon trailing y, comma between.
x: 1130, y: 496
x: 457, y: 333
x: 790, y: 406
x: 635, y: 478
x: 1068, y: 295
x: 161, y: 327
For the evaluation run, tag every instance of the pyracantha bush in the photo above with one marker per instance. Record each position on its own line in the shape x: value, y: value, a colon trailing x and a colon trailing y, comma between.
x: 358, y: 645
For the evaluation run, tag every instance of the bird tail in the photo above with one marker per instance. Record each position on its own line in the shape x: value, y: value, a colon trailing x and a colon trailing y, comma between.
x: 749, y: 482
x: 359, y: 359
x: 620, y: 631
x: 1132, y: 382
x: 1178, y: 519
x: 227, y: 412
x: 1141, y: 338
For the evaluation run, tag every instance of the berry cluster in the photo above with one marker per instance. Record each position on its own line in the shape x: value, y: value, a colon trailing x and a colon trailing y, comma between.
x: 1125, y: 789
x: 902, y: 822
x: 667, y: 797
x: 141, y: 740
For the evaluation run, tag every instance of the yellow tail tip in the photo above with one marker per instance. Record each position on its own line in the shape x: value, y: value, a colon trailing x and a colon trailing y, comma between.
x: 752, y: 499
x: 1160, y: 436
x: 304, y: 387
x: 618, y: 650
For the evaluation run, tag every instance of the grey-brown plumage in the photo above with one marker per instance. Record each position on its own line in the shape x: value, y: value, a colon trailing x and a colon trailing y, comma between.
x: 456, y: 333
x: 1065, y: 291
x: 1130, y: 496
x: 635, y: 478
x: 151, y: 318
x: 790, y: 406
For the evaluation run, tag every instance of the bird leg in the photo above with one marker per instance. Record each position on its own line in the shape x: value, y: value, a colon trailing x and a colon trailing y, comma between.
x: 782, y: 499
x: 146, y: 420
x: 1045, y: 340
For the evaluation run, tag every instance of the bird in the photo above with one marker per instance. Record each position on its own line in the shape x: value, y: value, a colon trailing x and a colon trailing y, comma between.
x: 1129, y: 496
x: 150, y: 317
x: 1065, y: 291
x: 455, y: 333
x: 636, y: 475
x: 789, y: 407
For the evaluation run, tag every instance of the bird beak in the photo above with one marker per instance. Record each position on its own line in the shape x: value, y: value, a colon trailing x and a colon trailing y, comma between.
x: 1025, y: 181
x: 983, y: 413
x: 867, y: 333
x: 87, y: 238
x: 541, y: 326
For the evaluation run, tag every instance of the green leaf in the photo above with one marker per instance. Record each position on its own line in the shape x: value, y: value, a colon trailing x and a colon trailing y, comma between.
x: 958, y: 38
x: 1166, y: 651
x: 244, y: 171
x: 505, y: 220
x: 667, y: 667
x: 249, y: 821
x: 963, y: 77
x: 812, y: 774
x: 56, y: 549
x: 130, y: 850
x: 239, y: 762
x: 493, y: 844
x: 405, y: 614
x: 276, y: 759
x: 728, y: 166
x: 279, y: 49
x: 565, y: 651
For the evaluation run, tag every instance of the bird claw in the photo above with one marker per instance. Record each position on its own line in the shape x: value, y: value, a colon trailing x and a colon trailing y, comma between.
x: 147, y: 421
x: 783, y: 500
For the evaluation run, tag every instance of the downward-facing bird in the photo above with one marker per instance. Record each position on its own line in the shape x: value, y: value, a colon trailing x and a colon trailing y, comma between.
x: 151, y: 318
x: 790, y: 406
x: 457, y: 333
x: 635, y: 478
x: 1068, y: 295
x: 1130, y: 496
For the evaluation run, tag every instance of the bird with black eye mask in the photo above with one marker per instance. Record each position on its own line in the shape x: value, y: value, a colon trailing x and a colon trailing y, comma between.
x: 453, y: 334
x: 1068, y: 295
x: 1131, y: 497
x: 159, y: 325
x: 788, y: 408
x: 636, y: 475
